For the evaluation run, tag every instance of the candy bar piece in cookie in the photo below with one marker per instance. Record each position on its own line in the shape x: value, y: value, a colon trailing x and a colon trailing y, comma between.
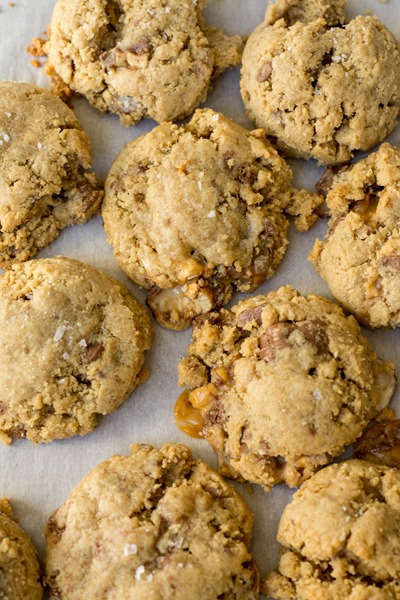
x: 72, y: 343
x: 154, y: 524
x: 19, y: 568
x: 138, y: 58
x: 199, y: 211
x: 360, y: 256
x: 280, y: 385
x: 322, y: 88
x: 340, y: 536
x: 44, y: 180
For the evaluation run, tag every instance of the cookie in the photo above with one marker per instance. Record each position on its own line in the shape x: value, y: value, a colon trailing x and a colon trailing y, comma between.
x: 155, y: 524
x: 360, y: 256
x: 44, y: 180
x: 198, y: 211
x: 138, y: 58
x: 322, y: 89
x: 279, y: 385
x: 72, y: 343
x: 340, y: 536
x: 19, y: 568
x: 306, y: 11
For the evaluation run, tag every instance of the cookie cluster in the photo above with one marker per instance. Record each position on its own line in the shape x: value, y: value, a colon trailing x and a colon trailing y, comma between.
x: 279, y: 384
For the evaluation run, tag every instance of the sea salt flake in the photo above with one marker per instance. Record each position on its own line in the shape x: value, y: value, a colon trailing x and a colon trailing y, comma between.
x: 139, y: 572
x: 215, y: 118
x: 317, y: 394
x: 61, y: 329
x: 83, y: 343
x: 5, y: 137
x: 199, y: 185
x: 167, y: 9
x: 211, y: 214
x: 8, y: 114
x: 61, y: 380
x: 180, y: 565
x: 130, y: 549
x: 39, y: 145
x: 65, y: 356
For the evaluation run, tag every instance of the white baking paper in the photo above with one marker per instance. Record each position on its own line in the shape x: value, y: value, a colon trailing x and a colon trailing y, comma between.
x: 37, y: 479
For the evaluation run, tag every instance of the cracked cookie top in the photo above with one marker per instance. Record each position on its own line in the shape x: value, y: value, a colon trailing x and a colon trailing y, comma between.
x: 197, y: 211
x: 360, y: 255
x: 44, y: 158
x: 340, y: 536
x: 72, y: 343
x: 155, y: 524
x: 322, y: 89
x: 279, y: 385
x: 19, y: 566
x: 137, y: 58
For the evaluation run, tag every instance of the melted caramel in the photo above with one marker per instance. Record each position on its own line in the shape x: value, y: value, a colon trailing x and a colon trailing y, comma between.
x: 188, y: 418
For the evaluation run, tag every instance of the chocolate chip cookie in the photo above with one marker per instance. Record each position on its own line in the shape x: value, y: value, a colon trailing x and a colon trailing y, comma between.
x: 198, y: 211
x: 44, y: 180
x: 279, y: 385
x: 340, y: 536
x: 321, y: 88
x: 138, y: 58
x: 155, y: 524
x: 19, y: 568
x: 360, y: 255
x: 72, y: 344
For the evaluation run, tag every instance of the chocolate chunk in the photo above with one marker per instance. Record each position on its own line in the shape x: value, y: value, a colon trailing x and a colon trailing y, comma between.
x: 381, y: 444
x: 93, y: 352
x: 392, y: 261
x: 276, y: 338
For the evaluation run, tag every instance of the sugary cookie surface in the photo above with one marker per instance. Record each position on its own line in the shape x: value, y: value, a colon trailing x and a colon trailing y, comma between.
x: 340, y: 536
x: 198, y: 211
x: 360, y: 255
x: 138, y: 58
x: 283, y: 383
x: 322, y: 89
x: 19, y: 568
x: 44, y: 183
x: 155, y: 524
x: 72, y: 344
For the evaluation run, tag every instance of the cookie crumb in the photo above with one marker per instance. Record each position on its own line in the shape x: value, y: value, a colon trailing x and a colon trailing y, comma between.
x: 37, y: 47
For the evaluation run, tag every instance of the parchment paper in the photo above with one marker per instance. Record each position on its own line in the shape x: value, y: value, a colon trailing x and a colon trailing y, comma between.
x: 37, y: 479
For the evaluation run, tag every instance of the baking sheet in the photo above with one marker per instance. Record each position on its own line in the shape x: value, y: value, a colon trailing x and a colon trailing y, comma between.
x: 37, y: 479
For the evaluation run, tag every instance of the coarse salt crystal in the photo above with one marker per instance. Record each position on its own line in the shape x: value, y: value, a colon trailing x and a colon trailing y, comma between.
x: 83, y: 343
x: 6, y: 137
x: 8, y: 114
x: 139, y: 572
x: 59, y: 333
x: 317, y: 394
x: 199, y: 185
x: 167, y: 9
x: 65, y: 356
x: 39, y: 145
x: 211, y: 214
x: 215, y: 118
x: 61, y: 380
x: 130, y: 549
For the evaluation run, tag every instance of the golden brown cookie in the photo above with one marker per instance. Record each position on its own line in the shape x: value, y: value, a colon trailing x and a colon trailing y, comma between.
x: 340, y: 536
x: 198, y: 211
x: 138, y: 58
x: 321, y: 88
x: 19, y: 568
x: 155, y: 524
x: 279, y: 385
x: 360, y: 256
x: 72, y: 343
x: 44, y: 180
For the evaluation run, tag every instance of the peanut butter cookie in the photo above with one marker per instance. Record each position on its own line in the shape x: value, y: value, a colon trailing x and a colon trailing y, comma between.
x: 19, y: 568
x: 198, y: 211
x: 155, y: 524
x: 340, y: 536
x: 72, y: 344
x: 360, y: 256
x: 281, y: 384
x: 138, y: 58
x: 44, y: 183
x: 321, y: 88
